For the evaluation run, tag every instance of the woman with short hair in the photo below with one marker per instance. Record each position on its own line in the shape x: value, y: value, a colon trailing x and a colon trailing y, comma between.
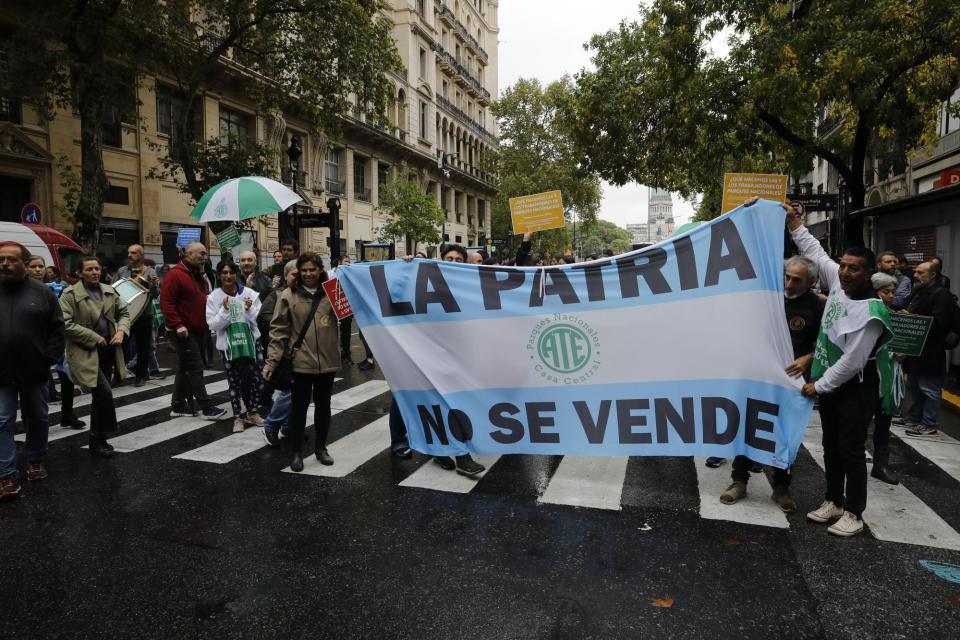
x: 305, y: 309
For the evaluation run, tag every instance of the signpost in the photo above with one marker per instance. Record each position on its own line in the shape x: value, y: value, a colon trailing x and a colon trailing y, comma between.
x: 826, y: 202
x: 737, y: 187
x: 338, y: 300
x: 186, y: 235
x: 31, y: 214
x: 909, y: 333
x: 315, y: 220
x: 537, y: 212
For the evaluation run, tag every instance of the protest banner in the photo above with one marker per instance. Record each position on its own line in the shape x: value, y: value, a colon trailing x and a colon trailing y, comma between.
x: 678, y: 349
x: 338, y: 300
x: 909, y: 333
x: 228, y: 238
x: 737, y: 187
x: 186, y: 235
x: 537, y: 212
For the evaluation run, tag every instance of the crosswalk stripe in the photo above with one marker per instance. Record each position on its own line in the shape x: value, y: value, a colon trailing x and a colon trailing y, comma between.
x: 755, y: 508
x: 149, y: 436
x: 594, y: 482
x: 234, y: 446
x: 351, y: 451
x: 128, y: 389
x: 894, y: 513
x: 941, y: 449
x: 432, y: 476
x: 127, y: 412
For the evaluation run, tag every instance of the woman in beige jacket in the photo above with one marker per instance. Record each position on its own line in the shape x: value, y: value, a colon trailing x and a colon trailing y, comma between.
x: 96, y: 321
x: 317, y: 359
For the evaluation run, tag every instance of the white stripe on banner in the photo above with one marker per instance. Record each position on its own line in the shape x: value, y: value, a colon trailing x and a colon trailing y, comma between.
x: 894, y: 513
x: 234, y: 446
x: 433, y: 476
x: 350, y: 452
x: 755, y: 508
x: 595, y: 482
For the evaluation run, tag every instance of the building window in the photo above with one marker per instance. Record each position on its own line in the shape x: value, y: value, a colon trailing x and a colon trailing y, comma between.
x: 446, y: 90
x: 458, y: 239
x: 10, y: 110
x: 360, y: 191
x: 423, y: 120
x: 421, y: 9
x: 423, y: 63
x: 116, y: 195
x: 383, y: 174
x: 482, y: 117
x: 233, y: 126
x: 111, y: 131
x: 331, y: 168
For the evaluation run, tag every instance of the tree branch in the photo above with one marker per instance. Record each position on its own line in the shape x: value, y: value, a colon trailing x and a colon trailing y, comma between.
x: 796, y: 140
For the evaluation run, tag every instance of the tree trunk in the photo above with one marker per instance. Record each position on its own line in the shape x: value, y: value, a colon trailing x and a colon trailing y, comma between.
x: 857, y: 193
x: 93, y: 178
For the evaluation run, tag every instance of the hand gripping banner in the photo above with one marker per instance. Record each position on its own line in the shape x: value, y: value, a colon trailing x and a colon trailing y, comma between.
x: 678, y: 349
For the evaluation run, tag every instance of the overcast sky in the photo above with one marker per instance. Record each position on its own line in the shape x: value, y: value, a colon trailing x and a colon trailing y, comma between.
x: 544, y: 39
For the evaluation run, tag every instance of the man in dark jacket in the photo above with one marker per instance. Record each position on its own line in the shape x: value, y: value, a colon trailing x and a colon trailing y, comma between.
x: 183, y: 300
x: 31, y: 341
x: 253, y: 277
x: 925, y: 373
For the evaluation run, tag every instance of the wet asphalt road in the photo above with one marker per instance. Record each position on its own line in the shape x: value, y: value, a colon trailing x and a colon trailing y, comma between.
x: 147, y: 546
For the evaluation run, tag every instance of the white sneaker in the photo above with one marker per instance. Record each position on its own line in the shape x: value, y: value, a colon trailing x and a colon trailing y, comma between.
x: 848, y: 525
x: 238, y: 425
x: 825, y: 513
x: 254, y: 420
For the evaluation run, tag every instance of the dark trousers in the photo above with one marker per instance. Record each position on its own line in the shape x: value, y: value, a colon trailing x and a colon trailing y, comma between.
x: 66, y: 396
x: 346, y: 327
x: 307, y: 386
x: 398, y: 430
x: 845, y: 415
x: 366, y: 347
x: 881, y: 428
x: 188, y: 384
x: 741, y: 472
x: 103, y: 415
x: 33, y: 406
x: 141, y: 333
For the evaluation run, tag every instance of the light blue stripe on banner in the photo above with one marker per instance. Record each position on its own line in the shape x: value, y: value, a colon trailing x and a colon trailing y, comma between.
x: 675, y: 418
x: 741, y: 251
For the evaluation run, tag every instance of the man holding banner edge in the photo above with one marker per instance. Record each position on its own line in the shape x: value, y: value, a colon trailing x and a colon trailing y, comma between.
x: 844, y: 374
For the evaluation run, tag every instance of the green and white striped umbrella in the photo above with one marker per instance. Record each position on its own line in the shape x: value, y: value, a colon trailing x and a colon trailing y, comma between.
x: 244, y: 198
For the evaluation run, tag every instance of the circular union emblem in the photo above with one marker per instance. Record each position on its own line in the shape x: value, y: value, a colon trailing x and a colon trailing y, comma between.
x: 564, y: 349
x: 797, y: 323
x: 221, y: 210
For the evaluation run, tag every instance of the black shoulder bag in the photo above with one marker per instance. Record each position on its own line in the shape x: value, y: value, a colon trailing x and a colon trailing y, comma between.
x: 282, y: 377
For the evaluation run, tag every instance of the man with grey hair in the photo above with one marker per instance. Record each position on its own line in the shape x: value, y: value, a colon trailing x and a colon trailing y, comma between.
x: 253, y: 277
x: 804, y: 308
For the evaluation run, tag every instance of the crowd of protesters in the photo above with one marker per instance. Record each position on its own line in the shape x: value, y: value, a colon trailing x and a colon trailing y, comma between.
x: 281, y: 345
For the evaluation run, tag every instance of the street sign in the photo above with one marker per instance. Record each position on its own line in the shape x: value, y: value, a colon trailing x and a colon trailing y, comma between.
x: 826, y: 202
x: 31, y: 214
x: 338, y: 299
x: 737, y: 187
x: 315, y: 220
x: 186, y: 235
x: 498, y: 241
x: 909, y: 333
x: 537, y: 212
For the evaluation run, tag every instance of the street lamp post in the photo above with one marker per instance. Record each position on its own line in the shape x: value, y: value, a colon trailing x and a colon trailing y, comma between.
x: 333, y: 206
x: 442, y: 164
x: 294, y: 152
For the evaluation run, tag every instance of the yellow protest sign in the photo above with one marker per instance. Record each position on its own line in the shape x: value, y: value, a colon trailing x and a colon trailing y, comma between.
x: 537, y: 212
x: 737, y: 187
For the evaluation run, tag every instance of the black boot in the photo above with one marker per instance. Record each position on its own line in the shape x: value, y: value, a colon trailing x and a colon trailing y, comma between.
x: 881, y: 470
x: 100, y: 447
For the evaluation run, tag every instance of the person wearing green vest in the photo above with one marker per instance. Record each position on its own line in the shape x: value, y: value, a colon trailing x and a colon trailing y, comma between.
x: 888, y: 404
x: 232, y: 315
x: 844, y: 375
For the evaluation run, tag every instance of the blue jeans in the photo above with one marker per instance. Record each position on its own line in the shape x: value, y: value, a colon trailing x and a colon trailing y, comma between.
x: 35, y: 420
x: 279, y: 412
x: 925, y: 394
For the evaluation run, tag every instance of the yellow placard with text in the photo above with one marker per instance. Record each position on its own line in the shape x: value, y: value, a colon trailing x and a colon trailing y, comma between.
x: 537, y: 212
x: 737, y: 187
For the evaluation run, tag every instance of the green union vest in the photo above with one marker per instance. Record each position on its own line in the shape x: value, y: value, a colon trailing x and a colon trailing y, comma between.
x: 843, y: 316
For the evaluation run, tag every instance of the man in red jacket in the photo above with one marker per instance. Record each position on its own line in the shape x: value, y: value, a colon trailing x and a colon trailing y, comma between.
x: 183, y: 300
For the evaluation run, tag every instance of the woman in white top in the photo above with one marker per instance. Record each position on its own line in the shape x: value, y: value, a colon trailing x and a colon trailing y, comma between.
x: 232, y: 314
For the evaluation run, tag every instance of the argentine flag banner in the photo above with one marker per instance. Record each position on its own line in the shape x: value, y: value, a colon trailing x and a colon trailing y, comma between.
x: 678, y: 349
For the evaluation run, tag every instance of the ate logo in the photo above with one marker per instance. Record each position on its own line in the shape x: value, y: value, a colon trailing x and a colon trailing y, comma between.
x: 564, y: 349
x: 221, y: 210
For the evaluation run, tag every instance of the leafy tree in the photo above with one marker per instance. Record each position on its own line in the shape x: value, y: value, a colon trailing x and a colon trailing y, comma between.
x: 412, y: 215
x: 537, y: 154
x: 309, y: 57
x: 83, y: 55
x: 659, y: 109
x: 600, y: 235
